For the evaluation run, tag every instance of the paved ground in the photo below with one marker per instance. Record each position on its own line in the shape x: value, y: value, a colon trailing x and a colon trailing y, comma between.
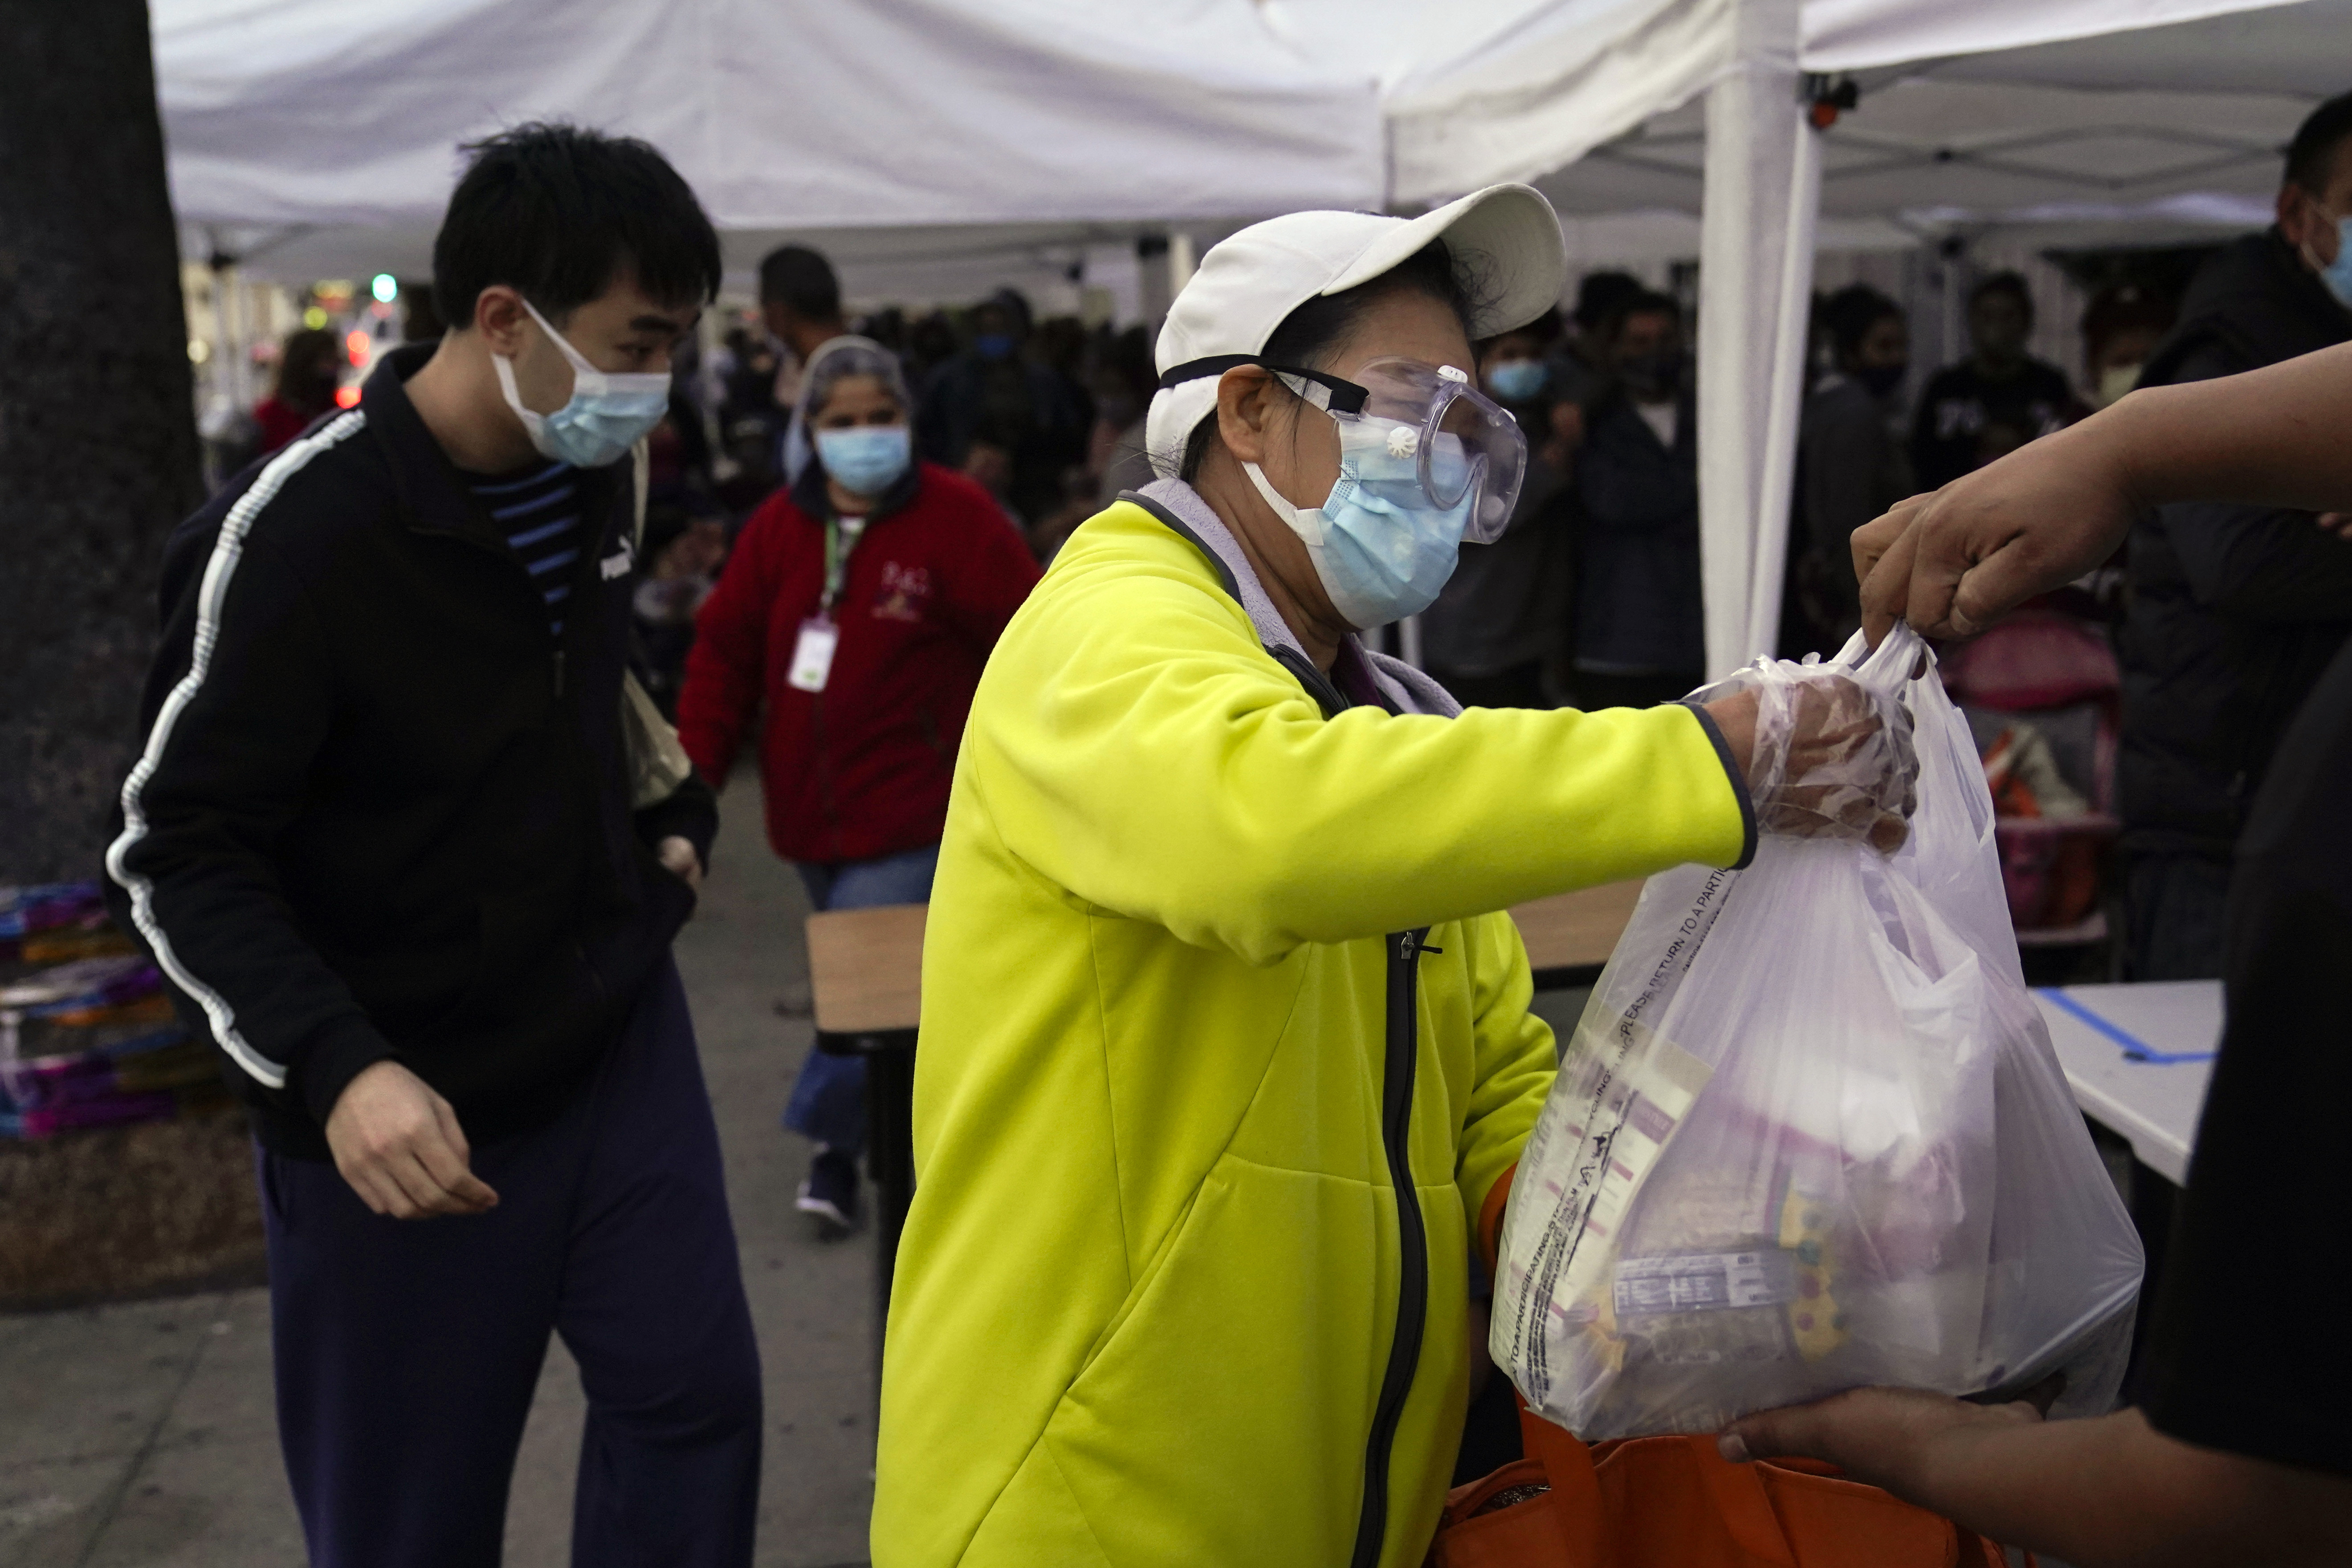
x: 143, y: 1435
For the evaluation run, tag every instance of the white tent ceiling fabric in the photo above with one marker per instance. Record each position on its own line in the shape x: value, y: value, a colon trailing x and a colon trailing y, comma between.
x: 882, y: 112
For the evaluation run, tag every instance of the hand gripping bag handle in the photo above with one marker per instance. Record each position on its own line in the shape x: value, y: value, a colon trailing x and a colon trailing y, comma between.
x: 1889, y: 666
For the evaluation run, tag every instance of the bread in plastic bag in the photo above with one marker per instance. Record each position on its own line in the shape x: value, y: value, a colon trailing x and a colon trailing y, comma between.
x: 1810, y: 1135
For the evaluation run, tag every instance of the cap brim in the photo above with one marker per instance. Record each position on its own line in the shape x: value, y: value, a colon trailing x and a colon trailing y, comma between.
x: 1506, y: 243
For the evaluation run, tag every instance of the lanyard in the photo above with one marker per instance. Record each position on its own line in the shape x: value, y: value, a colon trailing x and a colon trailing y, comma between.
x: 841, y: 535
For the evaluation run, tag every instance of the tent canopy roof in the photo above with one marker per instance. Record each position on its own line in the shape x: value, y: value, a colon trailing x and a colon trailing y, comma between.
x: 923, y: 136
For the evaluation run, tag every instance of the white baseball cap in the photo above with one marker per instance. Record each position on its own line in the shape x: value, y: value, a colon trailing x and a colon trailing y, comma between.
x: 1504, y: 241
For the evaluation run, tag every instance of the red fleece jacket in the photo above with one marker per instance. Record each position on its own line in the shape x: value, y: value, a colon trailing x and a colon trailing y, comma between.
x: 862, y: 768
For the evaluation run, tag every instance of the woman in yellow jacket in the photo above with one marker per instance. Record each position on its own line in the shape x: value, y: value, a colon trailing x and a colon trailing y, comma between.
x: 1226, y: 1055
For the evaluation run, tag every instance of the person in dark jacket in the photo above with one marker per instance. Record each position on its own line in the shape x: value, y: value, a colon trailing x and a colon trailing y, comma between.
x: 1850, y: 461
x: 1994, y: 400
x: 1641, y: 637
x: 2234, y: 610
x: 1498, y: 619
x: 383, y: 841
x: 856, y: 612
x: 998, y: 414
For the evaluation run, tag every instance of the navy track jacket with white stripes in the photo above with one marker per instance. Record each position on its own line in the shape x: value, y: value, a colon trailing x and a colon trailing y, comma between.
x: 380, y: 813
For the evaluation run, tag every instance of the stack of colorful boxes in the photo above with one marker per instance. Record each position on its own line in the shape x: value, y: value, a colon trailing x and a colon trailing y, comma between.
x: 87, y: 1036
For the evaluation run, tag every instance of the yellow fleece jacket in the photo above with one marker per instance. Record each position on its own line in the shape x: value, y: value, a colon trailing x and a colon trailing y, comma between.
x: 1148, y: 1290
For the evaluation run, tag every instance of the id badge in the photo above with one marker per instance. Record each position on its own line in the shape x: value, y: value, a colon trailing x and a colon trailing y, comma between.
x: 813, y: 654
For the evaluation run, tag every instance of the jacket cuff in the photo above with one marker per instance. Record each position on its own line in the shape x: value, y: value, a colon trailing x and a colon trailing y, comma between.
x: 336, y: 1054
x: 691, y: 813
x: 1738, y: 785
x: 1490, y: 1218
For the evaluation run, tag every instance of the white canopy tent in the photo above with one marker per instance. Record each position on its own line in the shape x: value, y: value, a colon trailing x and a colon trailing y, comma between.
x: 910, y: 136
x: 2157, y: 119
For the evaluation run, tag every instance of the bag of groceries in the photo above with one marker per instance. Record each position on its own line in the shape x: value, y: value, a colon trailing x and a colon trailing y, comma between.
x: 1810, y: 1134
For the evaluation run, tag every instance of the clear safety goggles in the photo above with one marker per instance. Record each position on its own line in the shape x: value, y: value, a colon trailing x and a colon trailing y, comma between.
x: 1456, y: 441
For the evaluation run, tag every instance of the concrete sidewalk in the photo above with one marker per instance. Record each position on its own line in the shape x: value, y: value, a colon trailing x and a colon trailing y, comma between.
x: 145, y: 1434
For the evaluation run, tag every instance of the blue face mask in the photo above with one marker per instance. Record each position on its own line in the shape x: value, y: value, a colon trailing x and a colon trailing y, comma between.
x: 1517, y: 380
x: 1382, y: 548
x: 2337, y: 274
x: 993, y: 346
x: 866, y: 460
x: 608, y: 412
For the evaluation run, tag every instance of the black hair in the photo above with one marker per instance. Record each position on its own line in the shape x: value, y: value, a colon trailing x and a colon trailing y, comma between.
x: 2311, y: 156
x: 1599, y: 296
x: 1543, y: 332
x: 2010, y: 283
x: 1013, y: 303
x: 1314, y: 333
x: 558, y: 212
x: 1849, y: 314
x: 802, y: 280
x: 1640, y: 302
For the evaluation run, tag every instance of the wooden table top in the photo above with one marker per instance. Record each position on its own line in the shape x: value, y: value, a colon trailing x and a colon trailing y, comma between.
x: 865, y: 966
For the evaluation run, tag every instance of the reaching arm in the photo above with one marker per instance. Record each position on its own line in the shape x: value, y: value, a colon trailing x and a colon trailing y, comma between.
x: 2107, y: 1493
x: 1953, y: 562
x: 1135, y: 745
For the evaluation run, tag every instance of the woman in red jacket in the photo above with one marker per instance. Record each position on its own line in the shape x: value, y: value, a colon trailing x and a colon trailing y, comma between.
x: 859, y: 606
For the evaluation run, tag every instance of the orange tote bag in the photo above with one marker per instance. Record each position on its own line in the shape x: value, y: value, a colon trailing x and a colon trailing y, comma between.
x: 1674, y: 1502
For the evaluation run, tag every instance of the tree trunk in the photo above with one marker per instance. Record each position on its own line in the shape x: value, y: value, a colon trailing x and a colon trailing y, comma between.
x: 98, y: 442
x: 97, y: 461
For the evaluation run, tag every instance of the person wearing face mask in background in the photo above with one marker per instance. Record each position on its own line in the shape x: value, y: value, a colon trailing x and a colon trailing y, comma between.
x: 1227, y: 1056
x: 856, y: 612
x: 1999, y: 388
x: 1850, y: 464
x: 1640, y: 635
x: 2233, y: 611
x: 383, y: 841
x: 1494, y: 627
x: 1032, y: 420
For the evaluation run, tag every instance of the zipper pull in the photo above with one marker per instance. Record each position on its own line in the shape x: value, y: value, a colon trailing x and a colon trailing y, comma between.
x: 559, y: 672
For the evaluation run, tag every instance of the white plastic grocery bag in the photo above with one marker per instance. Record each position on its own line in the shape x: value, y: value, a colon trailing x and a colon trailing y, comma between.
x: 1811, y: 1135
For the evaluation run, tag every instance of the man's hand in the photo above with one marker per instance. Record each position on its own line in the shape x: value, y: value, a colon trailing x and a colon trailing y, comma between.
x: 400, y: 1147
x: 1877, y: 1435
x: 2110, y: 1491
x: 1953, y: 562
x: 678, y: 858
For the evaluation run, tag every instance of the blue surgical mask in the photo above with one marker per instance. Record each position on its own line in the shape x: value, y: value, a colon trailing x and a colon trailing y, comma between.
x: 608, y: 412
x: 1517, y: 380
x: 2337, y: 274
x: 993, y: 346
x: 866, y: 460
x: 1380, y: 547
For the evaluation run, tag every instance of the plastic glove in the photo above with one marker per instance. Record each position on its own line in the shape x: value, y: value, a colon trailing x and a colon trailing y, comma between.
x: 1830, y: 758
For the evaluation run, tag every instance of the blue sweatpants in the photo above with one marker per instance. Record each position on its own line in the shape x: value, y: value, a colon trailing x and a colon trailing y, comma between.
x: 828, y: 1098
x: 407, y: 1350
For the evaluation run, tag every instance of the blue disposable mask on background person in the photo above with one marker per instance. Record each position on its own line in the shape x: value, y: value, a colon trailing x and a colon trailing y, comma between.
x: 993, y: 346
x: 2337, y: 274
x: 1382, y: 548
x: 866, y: 460
x: 1517, y: 380
x: 608, y: 412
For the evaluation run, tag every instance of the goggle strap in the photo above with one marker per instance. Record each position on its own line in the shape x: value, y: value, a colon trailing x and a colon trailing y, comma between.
x: 1340, y: 396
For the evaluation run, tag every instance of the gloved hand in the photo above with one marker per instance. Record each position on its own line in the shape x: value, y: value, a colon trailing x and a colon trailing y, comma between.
x: 1822, y: 755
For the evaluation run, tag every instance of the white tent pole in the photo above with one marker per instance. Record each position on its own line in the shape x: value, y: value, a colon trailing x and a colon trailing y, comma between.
x: 1752, y: 119
x: 1785, y: 389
